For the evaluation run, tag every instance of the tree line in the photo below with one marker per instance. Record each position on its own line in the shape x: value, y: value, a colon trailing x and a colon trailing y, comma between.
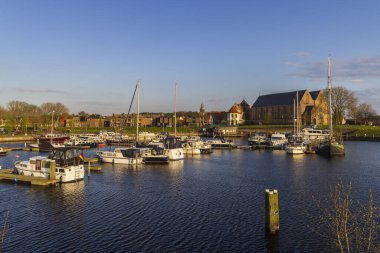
x: 22, y: 115
x: 345, y: 105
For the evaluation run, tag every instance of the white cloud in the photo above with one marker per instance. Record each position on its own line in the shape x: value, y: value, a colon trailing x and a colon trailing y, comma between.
x: 39, y: 90
x: 354, y: 69
x: 302, y: 54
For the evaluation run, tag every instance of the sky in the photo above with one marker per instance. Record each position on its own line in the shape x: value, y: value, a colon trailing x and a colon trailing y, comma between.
x: 89, y: 55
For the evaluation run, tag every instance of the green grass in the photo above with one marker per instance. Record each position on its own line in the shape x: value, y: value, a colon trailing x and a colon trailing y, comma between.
x: 361, y: 130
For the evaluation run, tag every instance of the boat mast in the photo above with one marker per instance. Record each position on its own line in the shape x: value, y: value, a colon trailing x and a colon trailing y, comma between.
x: 138, y: 110
x: 294, y: 116
x: 298, y: 130
x: 52, y: 125
x: 175, y: 110
x: 329, y: 91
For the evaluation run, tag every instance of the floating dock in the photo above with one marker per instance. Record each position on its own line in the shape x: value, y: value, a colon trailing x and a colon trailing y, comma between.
x: 7, y: 175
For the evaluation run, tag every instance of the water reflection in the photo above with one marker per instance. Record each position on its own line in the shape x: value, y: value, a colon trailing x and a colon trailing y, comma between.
x: 158, y: 207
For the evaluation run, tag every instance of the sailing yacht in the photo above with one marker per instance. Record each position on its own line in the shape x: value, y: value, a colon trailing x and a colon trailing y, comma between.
x: 172, y: 145
x: 331, y: 147
x: 295, y: 143
x: 130, y: 156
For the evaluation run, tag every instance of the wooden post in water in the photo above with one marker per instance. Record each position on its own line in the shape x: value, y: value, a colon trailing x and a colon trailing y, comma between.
x: 52, y: 170
x: 272, y: 215
x: 89, y: 168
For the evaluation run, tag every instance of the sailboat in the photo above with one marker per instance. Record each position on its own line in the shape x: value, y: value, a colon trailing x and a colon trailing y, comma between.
x: 331, y: 147
x: 295, y: 142
x: 130, y: 156
x: 173, y: 145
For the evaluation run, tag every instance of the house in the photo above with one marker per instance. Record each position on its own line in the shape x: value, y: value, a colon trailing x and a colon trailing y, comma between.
x: 235, y: 115
x: 278, y: 108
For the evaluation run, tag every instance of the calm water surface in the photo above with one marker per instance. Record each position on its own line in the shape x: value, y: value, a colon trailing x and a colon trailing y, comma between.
x: 206, y: 203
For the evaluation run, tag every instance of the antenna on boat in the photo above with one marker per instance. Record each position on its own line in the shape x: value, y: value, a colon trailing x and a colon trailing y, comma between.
x: 329, y: 91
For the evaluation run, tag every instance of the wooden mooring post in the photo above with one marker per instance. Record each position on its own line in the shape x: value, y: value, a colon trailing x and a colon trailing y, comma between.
x: 52, y: 170
x: 89, y: 169
x: 272, y: 215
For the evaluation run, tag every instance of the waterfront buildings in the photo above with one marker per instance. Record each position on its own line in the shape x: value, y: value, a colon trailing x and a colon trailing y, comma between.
x: 278, y: 108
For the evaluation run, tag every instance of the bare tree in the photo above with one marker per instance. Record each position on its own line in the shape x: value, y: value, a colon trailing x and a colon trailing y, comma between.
x: 363, y: 112
x: 351, y: 226
x: 47, y: 110
x: 343, y: 102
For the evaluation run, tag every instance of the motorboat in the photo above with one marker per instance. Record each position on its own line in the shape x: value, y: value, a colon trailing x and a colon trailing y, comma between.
x: 277, y: 140
x: 154, y: 155
x: 173, y: 149
x: 295, y: 145
x: 260, y: 138
x: 221, y: 143
x: 68, y: 165
x: 130, y: 156
x: 191, y: 148
x: 311, y: 134
x: 54, y: 138
x: 3, y: 152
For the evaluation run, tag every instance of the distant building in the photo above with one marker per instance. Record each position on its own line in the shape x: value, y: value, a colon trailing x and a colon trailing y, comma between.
x: 218, y: 118
x: 235, y: 115
x: 278, y: 108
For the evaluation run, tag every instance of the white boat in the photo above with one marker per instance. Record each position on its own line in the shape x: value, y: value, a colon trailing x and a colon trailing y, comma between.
x: 191, y: 148
x: 129, y: 156
x: 221, y: 143
x: 311, y: 134
x: 278, y: 140
x: 172, y: 145
x: 154, y: 155
x: 147, y: 136
x: 172, y: 148
x: 295, y: 145
x: 260, y: 138
x: 68, y: 168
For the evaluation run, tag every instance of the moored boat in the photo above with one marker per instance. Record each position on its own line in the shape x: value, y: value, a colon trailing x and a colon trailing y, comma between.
x: 68, y: 165
x: 54, y: 138
x: 3, y: 152
x: 260, y: 138
x: 221, y: 143
x: 277, y: 140
x: 295, y: 145
x: 172, y: 148
x: 129, y: 156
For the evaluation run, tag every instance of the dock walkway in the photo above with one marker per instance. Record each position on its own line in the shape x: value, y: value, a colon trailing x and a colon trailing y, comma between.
x: 7, y: 175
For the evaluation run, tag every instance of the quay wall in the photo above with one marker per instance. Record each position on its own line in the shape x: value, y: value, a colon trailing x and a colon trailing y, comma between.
x: 17, y: 138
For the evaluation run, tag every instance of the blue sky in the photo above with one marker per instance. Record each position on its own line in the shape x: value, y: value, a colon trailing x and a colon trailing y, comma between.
x: 89, y: 55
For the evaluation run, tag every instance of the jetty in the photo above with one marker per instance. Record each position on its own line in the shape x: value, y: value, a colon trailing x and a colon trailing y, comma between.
x: 8, y: 175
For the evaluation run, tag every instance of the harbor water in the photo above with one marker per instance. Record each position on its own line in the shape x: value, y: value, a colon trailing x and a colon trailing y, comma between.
x: 212, y: 203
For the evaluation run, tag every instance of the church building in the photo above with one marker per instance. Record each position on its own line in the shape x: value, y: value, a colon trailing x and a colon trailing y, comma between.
x: 278, y: 108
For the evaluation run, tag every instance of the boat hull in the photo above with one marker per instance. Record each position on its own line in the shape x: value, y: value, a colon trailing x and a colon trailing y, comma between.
x: 174, y: 154
x: 295, y: 150
x: 64, y: 175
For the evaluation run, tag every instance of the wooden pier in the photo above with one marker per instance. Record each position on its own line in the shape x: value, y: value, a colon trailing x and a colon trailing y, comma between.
x: 7, y: 175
